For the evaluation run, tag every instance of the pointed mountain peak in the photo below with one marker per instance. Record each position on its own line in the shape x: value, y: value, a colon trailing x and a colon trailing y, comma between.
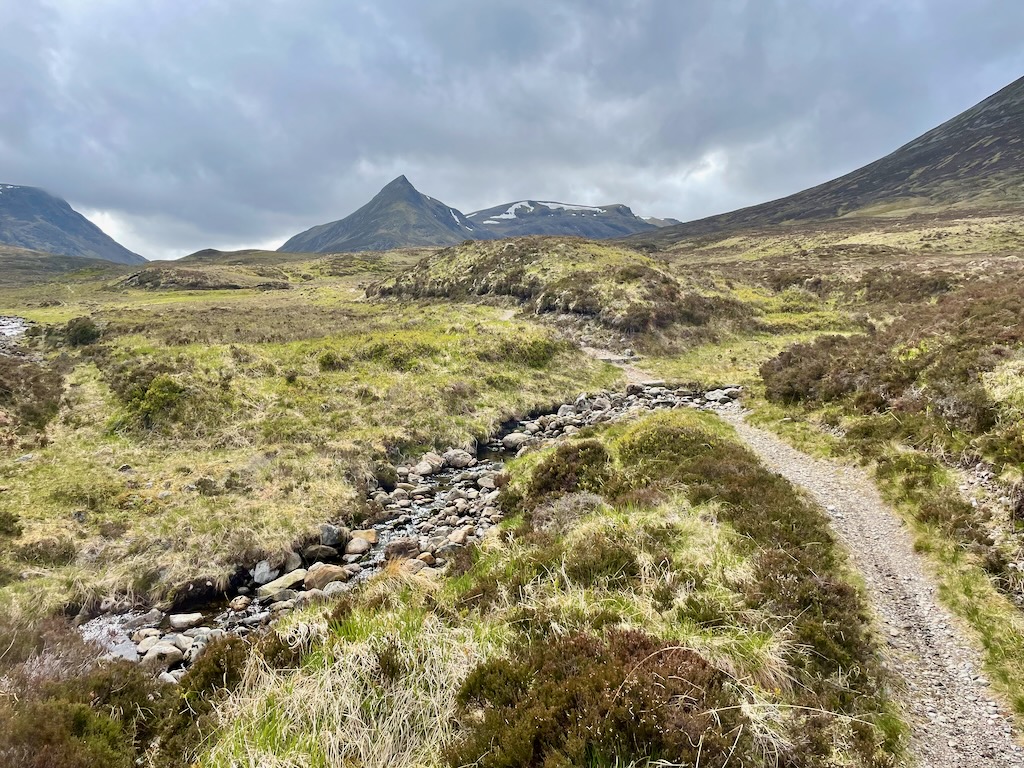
x: 399, y: 183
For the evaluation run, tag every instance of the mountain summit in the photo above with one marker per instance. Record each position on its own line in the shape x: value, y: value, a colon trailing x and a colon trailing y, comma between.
x: 974, y: 160
x: 33, y: 219
x: 398, y: 216
x: 401, y: 216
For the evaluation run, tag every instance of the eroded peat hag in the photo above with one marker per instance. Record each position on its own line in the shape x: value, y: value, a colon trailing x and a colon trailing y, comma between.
x: 421, y: 515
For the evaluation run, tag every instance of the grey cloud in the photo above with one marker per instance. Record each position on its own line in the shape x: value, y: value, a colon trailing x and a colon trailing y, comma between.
x: 230, y: 122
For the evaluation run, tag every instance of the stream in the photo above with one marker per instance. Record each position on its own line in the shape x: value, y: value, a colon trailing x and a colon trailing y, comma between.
x: 440, y: 504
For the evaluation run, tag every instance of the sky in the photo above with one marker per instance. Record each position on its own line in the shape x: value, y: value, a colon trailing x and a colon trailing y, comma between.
x: 177, y: 126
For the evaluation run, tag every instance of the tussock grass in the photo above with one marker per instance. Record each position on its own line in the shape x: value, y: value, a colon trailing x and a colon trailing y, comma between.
x: 379, y: 688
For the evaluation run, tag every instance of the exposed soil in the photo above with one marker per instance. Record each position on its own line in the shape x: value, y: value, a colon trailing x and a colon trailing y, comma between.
x: 956, y: 721
x: 633, y: 374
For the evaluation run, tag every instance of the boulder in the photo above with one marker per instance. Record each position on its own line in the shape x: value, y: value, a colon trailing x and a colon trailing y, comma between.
x: 566, y: 410
x: 148, y: 642
x: 336, y: 588
x: 413, y: 566
x: 292, y: 561
x: 320, y: 575
x: 151, y: 619
x: 514, y: 441
x: 459, y: 536
x: 309, y: 596
x: 423, y: 469
x: 333, y: 535
x: 316, y: 552
x: 436, y: 462
x: 264, y: 572
x: 282, y: 582
x: 457, y: 458
x: 163, y: 655
x: 358, y: 546
x: 194, y: 652
x: 367, y: 534
x: 402, y: 548
x: 142, y: 634
x: 181, y: 642
x: 239, y: 603
x: 180, y: 621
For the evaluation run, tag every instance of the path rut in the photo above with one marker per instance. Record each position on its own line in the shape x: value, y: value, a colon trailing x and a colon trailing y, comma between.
x: 956, y: 722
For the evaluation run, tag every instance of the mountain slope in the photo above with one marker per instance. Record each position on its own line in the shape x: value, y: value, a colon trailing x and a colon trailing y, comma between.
x: 398, y: 216
x: 975, y: 159
x: 537, y: 217
x: 34, y: 219
x: 20, y: 266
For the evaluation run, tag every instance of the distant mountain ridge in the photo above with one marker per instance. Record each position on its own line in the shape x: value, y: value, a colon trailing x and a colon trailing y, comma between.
x: 540, y: 217
x: 36, y: 220
x: 401, y: 216
x: 974, y: 159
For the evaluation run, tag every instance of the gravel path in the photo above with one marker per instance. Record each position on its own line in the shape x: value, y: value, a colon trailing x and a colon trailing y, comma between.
x: 955, y: 720
x: 634, y: 375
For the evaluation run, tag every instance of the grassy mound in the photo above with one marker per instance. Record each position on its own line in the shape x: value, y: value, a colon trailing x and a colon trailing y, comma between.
x: 621, y: 288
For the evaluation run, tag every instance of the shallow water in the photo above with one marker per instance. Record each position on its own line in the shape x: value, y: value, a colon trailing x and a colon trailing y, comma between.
x: 13, y: 327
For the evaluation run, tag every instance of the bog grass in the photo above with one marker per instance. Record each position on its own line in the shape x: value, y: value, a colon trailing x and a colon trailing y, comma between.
x: 243, y: 420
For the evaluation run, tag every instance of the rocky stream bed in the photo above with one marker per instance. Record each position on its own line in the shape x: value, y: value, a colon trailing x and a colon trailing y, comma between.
x: 440, y: 504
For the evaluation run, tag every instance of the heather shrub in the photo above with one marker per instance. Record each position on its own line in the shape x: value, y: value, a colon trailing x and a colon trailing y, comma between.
x: 582, y: 465
x: 584, y: 700
x: 29, y: 392
x: 81, y: 331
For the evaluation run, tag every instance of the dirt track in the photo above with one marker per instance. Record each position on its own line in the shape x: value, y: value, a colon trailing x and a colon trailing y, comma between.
x: 955, y: 720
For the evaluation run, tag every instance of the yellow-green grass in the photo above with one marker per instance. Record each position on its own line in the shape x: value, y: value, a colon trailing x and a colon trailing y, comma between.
x: 899, y: 237
x: 729, y: 361
x: 291, y: 435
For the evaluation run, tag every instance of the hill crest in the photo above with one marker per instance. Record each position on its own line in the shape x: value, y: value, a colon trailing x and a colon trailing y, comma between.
x: 975, y: 159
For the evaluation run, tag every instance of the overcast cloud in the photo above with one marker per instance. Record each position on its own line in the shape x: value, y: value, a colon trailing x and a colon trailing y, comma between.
x: 182, y: 125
